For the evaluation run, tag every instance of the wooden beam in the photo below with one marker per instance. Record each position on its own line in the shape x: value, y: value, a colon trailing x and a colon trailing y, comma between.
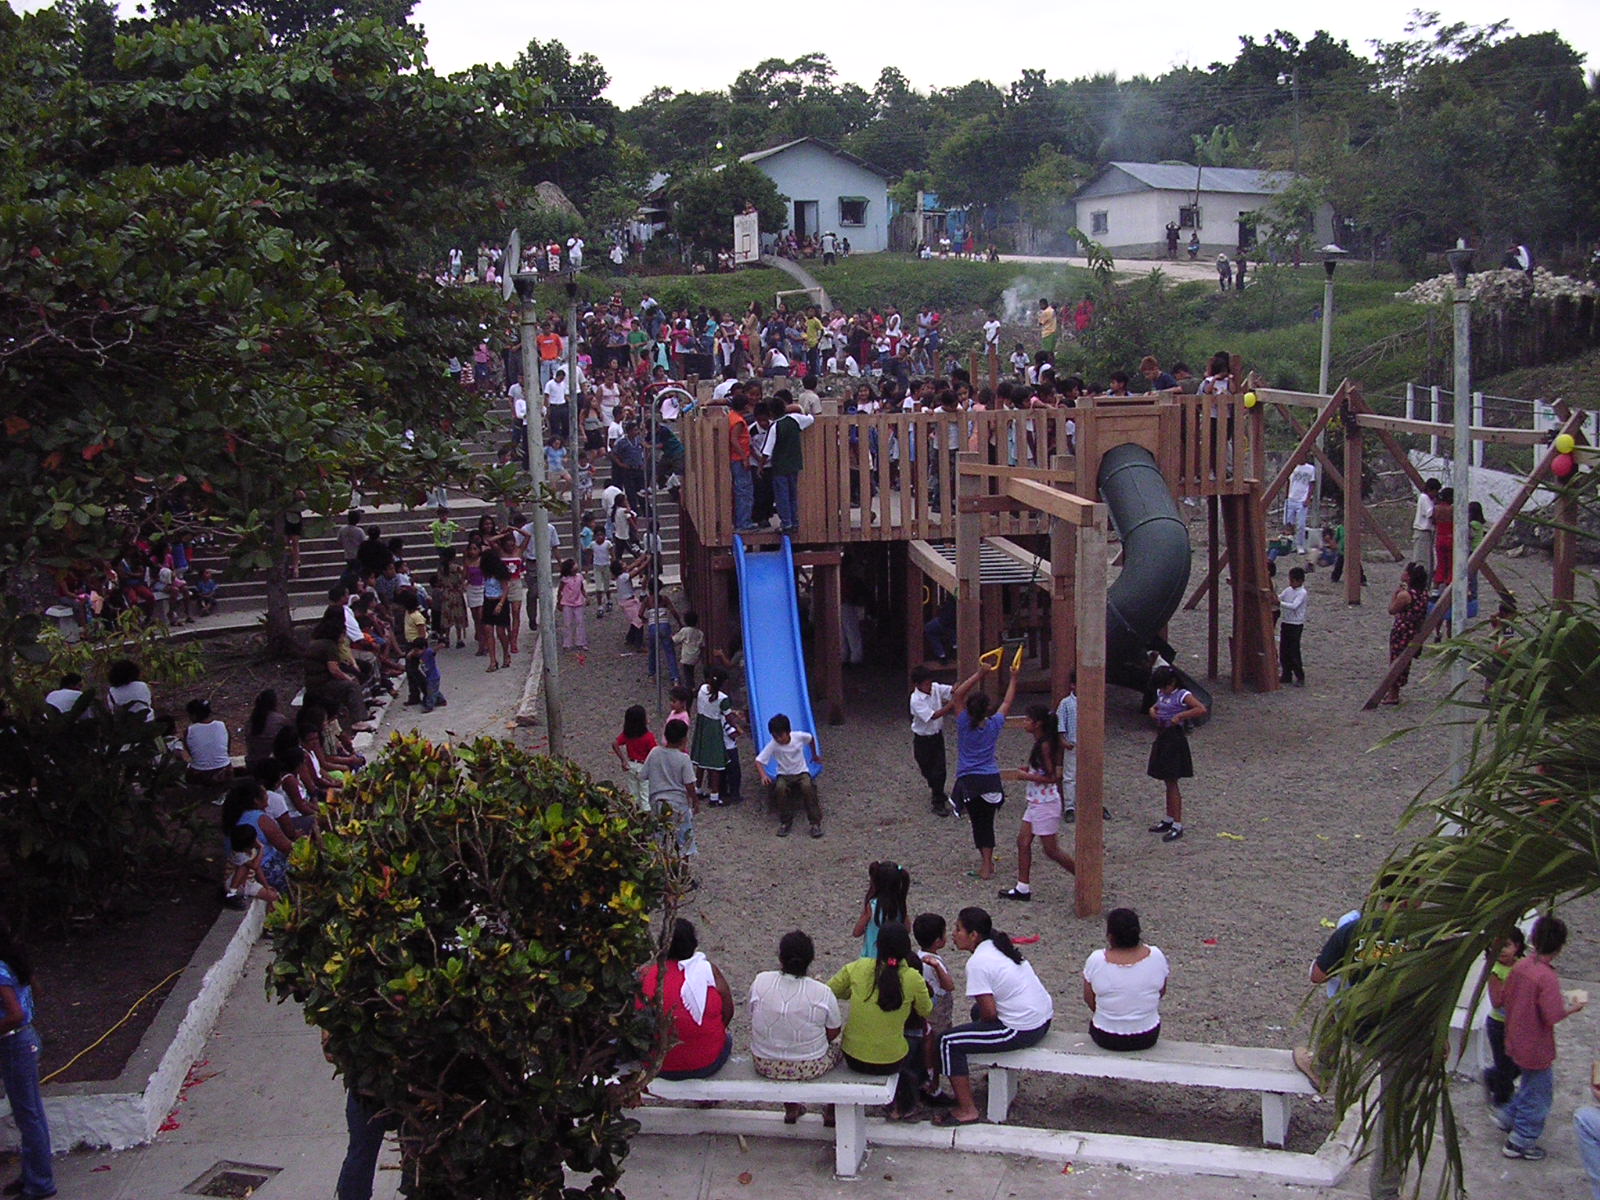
x: 1297, y: 399
x: 1492, y: 434
x: 969, y: 575
x: 802, y: 558
x: 1573, y: 425
x: 989, y: 504
x: 1089, y: 832
x: 1214, y: 596
x: 1354, y: 448
x: 1075, y: 510
x: 1037, y: 563
x: 934, y: 565
x: 828, y: 619
x: 1042, y: 474
x: 1063, y: 605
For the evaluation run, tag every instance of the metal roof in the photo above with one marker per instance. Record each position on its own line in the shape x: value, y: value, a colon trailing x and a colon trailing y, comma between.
x: 1119, y: 178
x: 757, y: 155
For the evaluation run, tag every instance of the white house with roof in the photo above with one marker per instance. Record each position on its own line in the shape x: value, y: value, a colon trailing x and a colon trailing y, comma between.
x: 829, y: 190
x: 1127, y: 206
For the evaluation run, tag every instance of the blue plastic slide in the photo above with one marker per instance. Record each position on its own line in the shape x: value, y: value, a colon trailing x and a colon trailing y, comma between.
x: 774, y: 659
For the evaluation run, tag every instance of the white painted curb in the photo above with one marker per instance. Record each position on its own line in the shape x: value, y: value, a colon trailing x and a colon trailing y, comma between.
x: 127, y: 1111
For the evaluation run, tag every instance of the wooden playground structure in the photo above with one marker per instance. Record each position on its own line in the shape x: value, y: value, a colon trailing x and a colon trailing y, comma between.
x: 1001, y: 510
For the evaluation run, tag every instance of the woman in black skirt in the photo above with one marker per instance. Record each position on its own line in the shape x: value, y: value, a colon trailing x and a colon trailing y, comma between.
x: 1170, y: 761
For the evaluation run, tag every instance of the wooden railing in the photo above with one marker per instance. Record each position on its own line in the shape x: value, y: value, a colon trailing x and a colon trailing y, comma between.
x: 891, y: 476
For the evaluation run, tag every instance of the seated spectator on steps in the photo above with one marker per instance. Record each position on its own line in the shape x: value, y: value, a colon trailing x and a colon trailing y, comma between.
x: 206, y: 743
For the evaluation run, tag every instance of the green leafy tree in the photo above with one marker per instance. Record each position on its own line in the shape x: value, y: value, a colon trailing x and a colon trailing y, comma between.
x: 238, y: 239
x: 284, y: 20
x: 705, y: 202
x: 1045, y: 193
x: 466, y: 935
x: 1578, y: 153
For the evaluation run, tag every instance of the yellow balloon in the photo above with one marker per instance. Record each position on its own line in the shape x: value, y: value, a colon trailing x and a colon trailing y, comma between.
x: 1565, y: 443
x: 1250, y: 400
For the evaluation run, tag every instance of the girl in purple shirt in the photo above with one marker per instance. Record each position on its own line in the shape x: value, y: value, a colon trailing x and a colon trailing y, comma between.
x: 1170, y: 761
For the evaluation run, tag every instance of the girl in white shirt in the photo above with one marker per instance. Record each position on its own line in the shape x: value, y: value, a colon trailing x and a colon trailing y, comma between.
x: 1123, y: 985
x: 1014, y: 1009
x: 794, y: 1020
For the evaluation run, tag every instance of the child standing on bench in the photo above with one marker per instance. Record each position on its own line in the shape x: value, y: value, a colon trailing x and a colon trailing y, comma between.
x: 888, y: 886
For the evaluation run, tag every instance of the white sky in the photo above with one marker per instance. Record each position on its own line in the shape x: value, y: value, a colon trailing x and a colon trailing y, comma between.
x: 936, y: 43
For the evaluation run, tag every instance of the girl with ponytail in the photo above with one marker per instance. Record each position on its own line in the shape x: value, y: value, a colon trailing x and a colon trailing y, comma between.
x: 883, y: 993
x: 1011, y: 1009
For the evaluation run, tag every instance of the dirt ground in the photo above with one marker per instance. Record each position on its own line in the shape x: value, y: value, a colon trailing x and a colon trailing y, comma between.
x: 1293, y: 808
x: 91, y: 974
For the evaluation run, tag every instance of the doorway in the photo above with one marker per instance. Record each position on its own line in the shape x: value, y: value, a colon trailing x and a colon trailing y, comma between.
x: 805, y: 219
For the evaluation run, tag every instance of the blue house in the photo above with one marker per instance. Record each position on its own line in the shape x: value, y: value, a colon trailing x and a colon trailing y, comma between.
x: 829, y: 190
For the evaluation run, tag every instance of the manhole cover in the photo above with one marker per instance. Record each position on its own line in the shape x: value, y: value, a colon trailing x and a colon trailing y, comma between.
x: 231, y: 1180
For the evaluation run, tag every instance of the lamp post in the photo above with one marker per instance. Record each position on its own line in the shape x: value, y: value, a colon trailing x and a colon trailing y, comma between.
x: 1331, y: 254
x: 1461, y: 481
x: 524, y: 282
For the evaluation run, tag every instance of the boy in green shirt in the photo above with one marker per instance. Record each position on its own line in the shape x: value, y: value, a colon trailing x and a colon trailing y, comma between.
x: 443, y: 529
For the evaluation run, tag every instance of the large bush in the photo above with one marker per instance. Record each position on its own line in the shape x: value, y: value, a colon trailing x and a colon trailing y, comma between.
x: 467, y: 935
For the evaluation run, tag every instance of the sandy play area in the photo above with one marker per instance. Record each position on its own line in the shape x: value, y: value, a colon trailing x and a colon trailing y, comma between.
x: 1290, y: 813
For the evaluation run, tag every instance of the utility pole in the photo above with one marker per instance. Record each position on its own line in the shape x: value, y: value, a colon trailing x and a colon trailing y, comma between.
x: 543, y: 579
x: 574, y: 417
x: 1461, y: 481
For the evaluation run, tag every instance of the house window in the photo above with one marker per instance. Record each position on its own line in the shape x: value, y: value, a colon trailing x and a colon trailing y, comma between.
x: 852, y: 210
x: 1099, y: 222
x: 1188, y: 217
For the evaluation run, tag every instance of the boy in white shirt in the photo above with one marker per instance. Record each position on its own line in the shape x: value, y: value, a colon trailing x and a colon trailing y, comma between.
x: 785, y: 754
x: 1298, y: 501
x: 1293, y: 602
x: 927, y: 734
x: 1422, y: 525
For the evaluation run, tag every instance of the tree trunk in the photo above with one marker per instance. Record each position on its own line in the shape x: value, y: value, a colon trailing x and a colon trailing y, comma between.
x: 280, y: 616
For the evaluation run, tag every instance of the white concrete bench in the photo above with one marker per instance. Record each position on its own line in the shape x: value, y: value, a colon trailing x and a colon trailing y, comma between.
x: 849, y: 1093
x: 1195, y: 1064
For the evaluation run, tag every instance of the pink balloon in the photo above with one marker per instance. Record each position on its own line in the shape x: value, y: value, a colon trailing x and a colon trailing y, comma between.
x: 1563, y: 465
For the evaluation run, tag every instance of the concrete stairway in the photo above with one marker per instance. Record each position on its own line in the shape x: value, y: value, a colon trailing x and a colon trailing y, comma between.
x: 241, y: 601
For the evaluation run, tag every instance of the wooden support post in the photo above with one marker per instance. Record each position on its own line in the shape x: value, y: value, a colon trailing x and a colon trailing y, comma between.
x: 1089, y: 835
x: 830, y: 639
x: 915, y: 582
x: 992, y: 606
x: 1063, y: 602
x: 969, y: 593
x: 1255, y: 652
x: 719, y: 616
x: 1213, y: 566
x: 1564, y: 550
x: 1353, y: 470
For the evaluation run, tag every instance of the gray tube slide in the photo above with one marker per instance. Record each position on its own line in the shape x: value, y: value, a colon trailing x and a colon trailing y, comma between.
x: 1155, y: 571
